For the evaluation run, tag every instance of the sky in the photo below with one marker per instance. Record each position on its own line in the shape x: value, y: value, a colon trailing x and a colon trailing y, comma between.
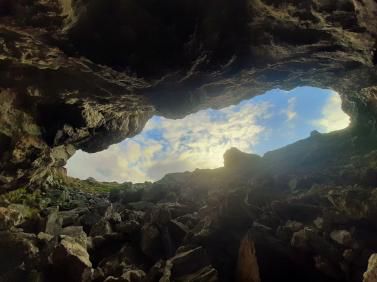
x: 261, y: 124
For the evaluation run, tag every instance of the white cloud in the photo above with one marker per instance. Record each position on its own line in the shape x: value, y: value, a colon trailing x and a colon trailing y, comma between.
x: 200, y: 140
x: 332, y: 116
x: 196, y: 141
x: 117, y: 163
x: 290, y: 111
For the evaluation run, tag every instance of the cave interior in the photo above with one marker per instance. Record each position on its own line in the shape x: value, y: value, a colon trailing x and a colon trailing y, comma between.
x: 83, y: 75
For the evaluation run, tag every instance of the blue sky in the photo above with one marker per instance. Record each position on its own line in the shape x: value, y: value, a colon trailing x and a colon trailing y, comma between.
x: 199, y: 140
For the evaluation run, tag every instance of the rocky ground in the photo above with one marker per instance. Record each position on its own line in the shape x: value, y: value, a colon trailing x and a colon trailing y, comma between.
x: 247, y: 221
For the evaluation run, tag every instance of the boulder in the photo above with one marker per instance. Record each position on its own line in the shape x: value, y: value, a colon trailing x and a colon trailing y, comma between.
x: 348, y: 255
x: 129, y: 276
x: 308, y: 239
x: 155, y: 272
x: 283, y: 233
x: 88, y: 219
x: 97, y: 274
x: 355, y: 202
x: 299, y: 240
x: 127, y: 259
x: 19, y: 253
x: 277, y: 261
x: 176, y: 209
x: 370, y: 275
x: 44, y: 237
x: 296, y: 211
x: 99, y: 206
x: 342, y: 237
x: 130, y: 195
x: 188, y: 262
x: 141, y: 206
x: 328, y: 268
x: 151, y: 241
x: 111, y: 215
x: 135, y: 275
x: 159, y: 216
x: 32, y: 222
x: 77, y: 233
x: 70, y: 261
x: 128, y: 227
x: 101, y: 228
x: 128, y: 215
x: 72, y: 217
x: 319, y: 222
x: 286, y: 231
x: 54, y: 222
x: 294, y: 226
x: 189, y: 265
x: 190, y: 220
x: 9, y: 218
x: 247, y: 265
x: 205, y: 274
x: 113, y: 279
x: 177, y: 231
x: 155, y: 193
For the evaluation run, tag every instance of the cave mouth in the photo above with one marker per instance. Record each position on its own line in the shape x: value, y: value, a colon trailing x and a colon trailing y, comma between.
x: 258, y: 125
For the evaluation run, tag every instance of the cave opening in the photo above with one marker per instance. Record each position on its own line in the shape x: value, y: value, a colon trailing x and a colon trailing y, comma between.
x: 258, y: 125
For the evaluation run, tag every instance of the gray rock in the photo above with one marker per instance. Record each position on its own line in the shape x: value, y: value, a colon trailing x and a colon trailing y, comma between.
x: 113, y: 279
x: 70, y: 260
x: 294, y: 226
x: 299, y: 240
x: 370, y: 275
x: 342, y: 237
x: 135, y: 275
x: 190, y: 265
x: 101, y: 228
x: 111, y: 215
x: 151, y: 243
x: 9, y: 218
x: 89, y: 219
x: 77, y: 233
x: 126, y: 259
x: 44, y: 237
x: 319, y: 222
x: 19, y: 252
x: 141, y: 205
x: 71, y: 217
x: 327, y: 268
x: 128, y: 227
x: 177, y: 231
x: 54, y: 222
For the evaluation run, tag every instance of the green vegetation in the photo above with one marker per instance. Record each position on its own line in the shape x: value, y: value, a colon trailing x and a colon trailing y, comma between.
x: 23, y: 196
x: 95, y: 187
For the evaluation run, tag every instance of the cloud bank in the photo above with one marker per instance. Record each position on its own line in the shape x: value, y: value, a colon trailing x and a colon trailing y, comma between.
x: 199, y: 140
x: 332, y: 116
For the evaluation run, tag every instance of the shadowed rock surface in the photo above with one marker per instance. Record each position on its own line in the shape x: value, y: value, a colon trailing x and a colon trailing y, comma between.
x: 88, y: 74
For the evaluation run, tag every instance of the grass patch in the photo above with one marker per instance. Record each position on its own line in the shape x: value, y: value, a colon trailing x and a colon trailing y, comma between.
x: 95, y: 187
